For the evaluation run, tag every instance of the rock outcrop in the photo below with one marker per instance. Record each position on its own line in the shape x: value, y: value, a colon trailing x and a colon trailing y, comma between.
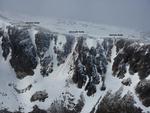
x: 127, y: 82
x: 143, y: 91
x: 43, y: 41
x: 115, y: 103
x: 67, y: 104
x: 23, y: 54
x: 39, y: 96
x: 91, y: 63
x: 132, y: 53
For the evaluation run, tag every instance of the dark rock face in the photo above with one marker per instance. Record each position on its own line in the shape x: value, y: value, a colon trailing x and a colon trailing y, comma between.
x: 46, y: 65
x: 91, y: 63
x: 68, y: 45
x: 143, y: 91
x: 114, y: 103
x: 23, y: 54
x: 5, y: 45
x: 43, y: 40
x: 101, y: 60
x: 123, y: 43
x: 90, y: 66
x: 135, y: 55
x: 1, y: 32
x: 39, y: 95
x: 67, y: 105
x: 108, y: 45
x: 18, y: 43
x: 80, y: 78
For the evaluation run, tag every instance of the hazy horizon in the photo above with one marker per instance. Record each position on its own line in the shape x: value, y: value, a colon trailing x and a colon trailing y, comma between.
x: 134, y: 14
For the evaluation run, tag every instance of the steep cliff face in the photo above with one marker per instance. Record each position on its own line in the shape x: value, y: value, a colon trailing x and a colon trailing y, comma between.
x: 135, y: 54
x: 51, y: 72
x: 115, y: 103
x: 91, y: 63
x: 143, y: 91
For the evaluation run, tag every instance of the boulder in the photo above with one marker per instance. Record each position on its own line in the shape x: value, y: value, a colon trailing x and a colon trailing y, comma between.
x: 39, y: 96
x: 127, y: 82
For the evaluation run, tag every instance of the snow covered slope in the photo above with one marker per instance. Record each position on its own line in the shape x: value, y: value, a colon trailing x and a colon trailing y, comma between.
x: 61, y: 66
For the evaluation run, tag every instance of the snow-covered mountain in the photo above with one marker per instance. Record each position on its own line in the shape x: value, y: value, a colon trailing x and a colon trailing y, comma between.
x: 62, y: 66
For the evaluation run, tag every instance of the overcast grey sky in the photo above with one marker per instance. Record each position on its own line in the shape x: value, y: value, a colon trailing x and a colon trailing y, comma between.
x: 125, y: 13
